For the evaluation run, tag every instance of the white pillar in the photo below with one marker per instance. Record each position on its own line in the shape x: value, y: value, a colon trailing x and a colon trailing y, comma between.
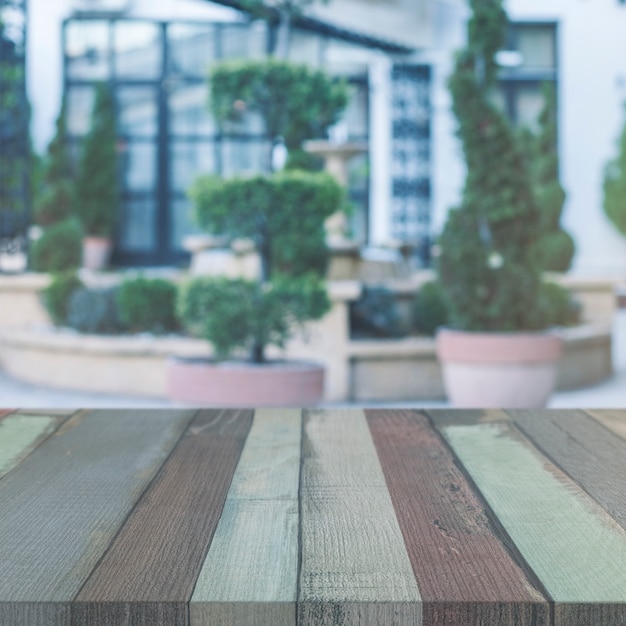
x: 380, y: 150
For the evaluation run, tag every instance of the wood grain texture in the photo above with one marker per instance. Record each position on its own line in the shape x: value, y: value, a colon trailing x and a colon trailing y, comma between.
x: 20, y: 435
x: 48, y: 411
x: 258, y: 531
x: 62, y: 505
x: 158, y: 553
x: 456, y: 417
x: 614, y: 420
x: 592, y: 455
x: 464, y: 572
x: 353, y: 558
x: 575, y: 548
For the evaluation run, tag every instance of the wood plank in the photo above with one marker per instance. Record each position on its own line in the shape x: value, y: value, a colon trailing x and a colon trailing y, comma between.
x: 61, y: 506
x: 592, y: 455
x: 48, y: 411
x: 20, y: 435
x: 354, y: 565
x: 464, y: 572
x: 250, y: 575
x: 455, y: 417
x: 575, y: 548
x: 4, y: 412
x: 614, y: 419
x: 155, y: 559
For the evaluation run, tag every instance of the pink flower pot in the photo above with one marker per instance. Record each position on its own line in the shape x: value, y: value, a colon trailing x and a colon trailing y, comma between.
x: 498, y: 370
x: 241, y: 384
x: 96, y: 252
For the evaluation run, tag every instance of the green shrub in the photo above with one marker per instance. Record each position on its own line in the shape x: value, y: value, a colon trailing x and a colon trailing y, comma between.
x: 283, y: 213
x: 57, y: 294
x: 97, y: 194
x: 486, y: 267
x: 59, y: 248
x: 615, y: 186
x: 429, y: 310
x: 557, y: 307
x: 95, y: 311
x: 148, y: 305
x: 238, y: 314
x: 555, y: 251
x: 375, y: 314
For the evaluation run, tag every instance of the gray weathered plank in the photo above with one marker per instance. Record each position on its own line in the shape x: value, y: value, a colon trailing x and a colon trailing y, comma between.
x: 61, y: 506
x: 614, y: 419
x: 354, y: 567
x: 258, y: 531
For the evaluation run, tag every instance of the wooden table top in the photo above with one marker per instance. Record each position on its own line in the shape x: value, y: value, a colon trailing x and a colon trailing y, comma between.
x: 330, y: 517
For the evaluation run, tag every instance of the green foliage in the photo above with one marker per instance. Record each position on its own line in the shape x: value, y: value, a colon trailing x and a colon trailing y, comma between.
x: 148, y: 304
x: 296, y: 102
x: 284, y: 213
x: 615, y: 187
x: 487, y: 270
x: 57, y: 294
x: 554, y: 248
x: 239, y: 314
x: 302, y: 160
x: 59, y: 248
x: 375, y: 314
x: 557, y: 307
x: 429, y: 310
x: 97, y: 185
x: 54, y: 201
x: 95, y: 311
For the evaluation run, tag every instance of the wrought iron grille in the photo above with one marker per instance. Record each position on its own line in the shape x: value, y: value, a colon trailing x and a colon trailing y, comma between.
x: 14, y: 120
x: 410, y: 164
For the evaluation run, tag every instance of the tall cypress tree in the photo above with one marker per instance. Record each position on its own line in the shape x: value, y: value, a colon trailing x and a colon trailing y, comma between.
x: 97, y: 195
x: 615, y: 186
x: 487, y: 270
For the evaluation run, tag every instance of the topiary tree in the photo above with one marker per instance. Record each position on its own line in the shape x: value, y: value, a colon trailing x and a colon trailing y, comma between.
x: 284, y: 214
x: 615, y: 187
x: 97, y: 193
x: 490, y: 278
x: 554, y: 250
x: 295, y: 101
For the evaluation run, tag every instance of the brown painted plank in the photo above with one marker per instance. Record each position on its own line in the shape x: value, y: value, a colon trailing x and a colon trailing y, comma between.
x: 592, y: 455
x: 613, y: 419
x: 464, y: 572
x: 61, y: 507
x: 151, y: 568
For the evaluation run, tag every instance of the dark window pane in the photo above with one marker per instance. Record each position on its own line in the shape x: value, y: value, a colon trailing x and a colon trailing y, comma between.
x: 80, y: 101
x: 137, y: 111
x: 244, y: 157
x: 536, y: 43
x: 87, y: 49
x: 356, y: 116
x: 190, y: 160
x: 529, y: 103
x: 137, y: 228
x: 189, y: 111
x: 247, y: 41
x: 183, y: 223
x: 138, y: 50
x: 138, y: 165
x: 192, y: 49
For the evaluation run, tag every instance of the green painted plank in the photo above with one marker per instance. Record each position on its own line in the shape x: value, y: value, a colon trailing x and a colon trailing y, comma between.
x: 253, y: 558
x: 61, y: 506
x: 574, y: 547
x: 20, y: 435
x: 354, y: 561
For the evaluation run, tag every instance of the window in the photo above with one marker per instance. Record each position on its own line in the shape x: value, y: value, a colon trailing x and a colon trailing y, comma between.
x: 520, y: 89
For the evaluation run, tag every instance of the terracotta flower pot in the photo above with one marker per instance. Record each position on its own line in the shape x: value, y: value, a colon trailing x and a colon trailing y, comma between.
x: 241, y: 384
x: 505, y: 370
x: 96, y: 252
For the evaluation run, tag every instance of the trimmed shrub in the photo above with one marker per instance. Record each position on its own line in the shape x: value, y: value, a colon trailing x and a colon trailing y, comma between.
x: 59, y: 248
x: 239, y: 314
x: 429, y: 310
x: 557, y: 307
x: 95, y: 311
x: 615, y: 186
x: 375, y: 314
x: 57, y: 294
x: 148, y: 305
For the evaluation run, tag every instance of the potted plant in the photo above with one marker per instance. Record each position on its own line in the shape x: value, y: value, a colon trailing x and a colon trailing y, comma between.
x: 284, y: 214
x: 97, y: 193
x: 497, y: 351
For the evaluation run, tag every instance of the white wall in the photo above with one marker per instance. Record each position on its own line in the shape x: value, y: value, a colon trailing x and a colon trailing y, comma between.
x: 592, y: 88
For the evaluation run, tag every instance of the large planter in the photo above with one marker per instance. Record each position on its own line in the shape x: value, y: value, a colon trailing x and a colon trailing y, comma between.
x: 498, y: 370
x: 96, y: 252
x: 240, y: 384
